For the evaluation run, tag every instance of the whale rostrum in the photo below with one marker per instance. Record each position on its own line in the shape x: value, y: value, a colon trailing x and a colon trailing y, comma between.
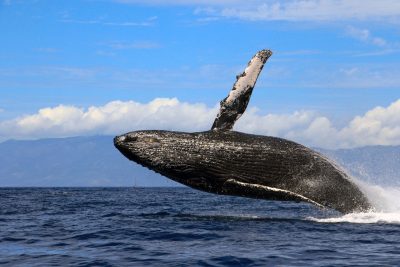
x: 227, y: 162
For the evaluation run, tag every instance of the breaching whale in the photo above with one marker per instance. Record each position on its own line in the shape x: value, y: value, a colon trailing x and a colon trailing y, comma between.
x: 226, y: 162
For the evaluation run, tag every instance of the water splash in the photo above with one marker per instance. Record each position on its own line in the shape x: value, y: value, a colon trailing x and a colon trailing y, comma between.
x: 386, y: 203
x: 385, y: 199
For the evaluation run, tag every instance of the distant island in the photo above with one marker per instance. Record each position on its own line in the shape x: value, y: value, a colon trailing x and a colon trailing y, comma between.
x: 93, y: 161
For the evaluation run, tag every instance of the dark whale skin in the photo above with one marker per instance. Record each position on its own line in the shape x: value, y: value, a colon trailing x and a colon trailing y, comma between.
x: 234, y: 163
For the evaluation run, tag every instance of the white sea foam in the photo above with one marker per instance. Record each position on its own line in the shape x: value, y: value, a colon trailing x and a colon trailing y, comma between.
x: 386, y: 202
x: 368, y: 217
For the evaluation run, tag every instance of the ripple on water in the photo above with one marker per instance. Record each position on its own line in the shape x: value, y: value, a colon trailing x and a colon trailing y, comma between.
x: 183, y: 227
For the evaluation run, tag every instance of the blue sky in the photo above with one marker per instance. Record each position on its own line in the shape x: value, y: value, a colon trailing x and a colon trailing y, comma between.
x: 63, y: 64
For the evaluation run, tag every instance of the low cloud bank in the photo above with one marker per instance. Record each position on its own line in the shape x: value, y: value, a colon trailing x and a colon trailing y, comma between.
x: 378, y: 126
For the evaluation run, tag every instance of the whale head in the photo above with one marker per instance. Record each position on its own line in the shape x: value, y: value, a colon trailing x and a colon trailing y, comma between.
x: 183, y: 157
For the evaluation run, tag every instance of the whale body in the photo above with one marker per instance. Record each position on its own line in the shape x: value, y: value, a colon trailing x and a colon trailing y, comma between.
x: 226, y: 162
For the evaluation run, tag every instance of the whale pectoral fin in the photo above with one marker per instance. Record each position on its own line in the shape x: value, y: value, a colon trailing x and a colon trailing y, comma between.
x: 234, y: 187
x: 234, y: 105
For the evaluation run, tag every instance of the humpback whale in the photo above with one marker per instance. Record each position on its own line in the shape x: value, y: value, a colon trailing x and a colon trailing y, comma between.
x: 227, y: 162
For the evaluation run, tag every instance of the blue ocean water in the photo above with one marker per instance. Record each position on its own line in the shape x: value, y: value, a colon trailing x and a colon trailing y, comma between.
x: 184, y: 227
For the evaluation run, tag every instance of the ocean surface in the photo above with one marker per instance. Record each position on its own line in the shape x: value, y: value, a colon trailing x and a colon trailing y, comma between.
x: 184, y: 227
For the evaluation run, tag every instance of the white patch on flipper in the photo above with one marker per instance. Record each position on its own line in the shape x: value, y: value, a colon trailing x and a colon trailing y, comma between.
x: 268, y: 188
x: 233, y: 106
x: 247, y: 80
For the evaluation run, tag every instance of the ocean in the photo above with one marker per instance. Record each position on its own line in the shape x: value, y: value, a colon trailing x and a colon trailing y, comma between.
x: 184, y: 227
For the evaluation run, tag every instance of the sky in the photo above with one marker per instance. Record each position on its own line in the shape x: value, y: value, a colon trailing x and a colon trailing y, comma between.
x: 94, y: 67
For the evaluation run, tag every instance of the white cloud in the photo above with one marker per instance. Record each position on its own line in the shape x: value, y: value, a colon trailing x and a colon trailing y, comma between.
x: 379, y: 126
x: 291, y: 10
x: 112, y: 118
x: 148, y: 22
x: 318, y: 74
x: 350, y: 71
x: 346, y: 76
x: 365, y: 35
x: 326, y: 10
x: 187, y: 2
